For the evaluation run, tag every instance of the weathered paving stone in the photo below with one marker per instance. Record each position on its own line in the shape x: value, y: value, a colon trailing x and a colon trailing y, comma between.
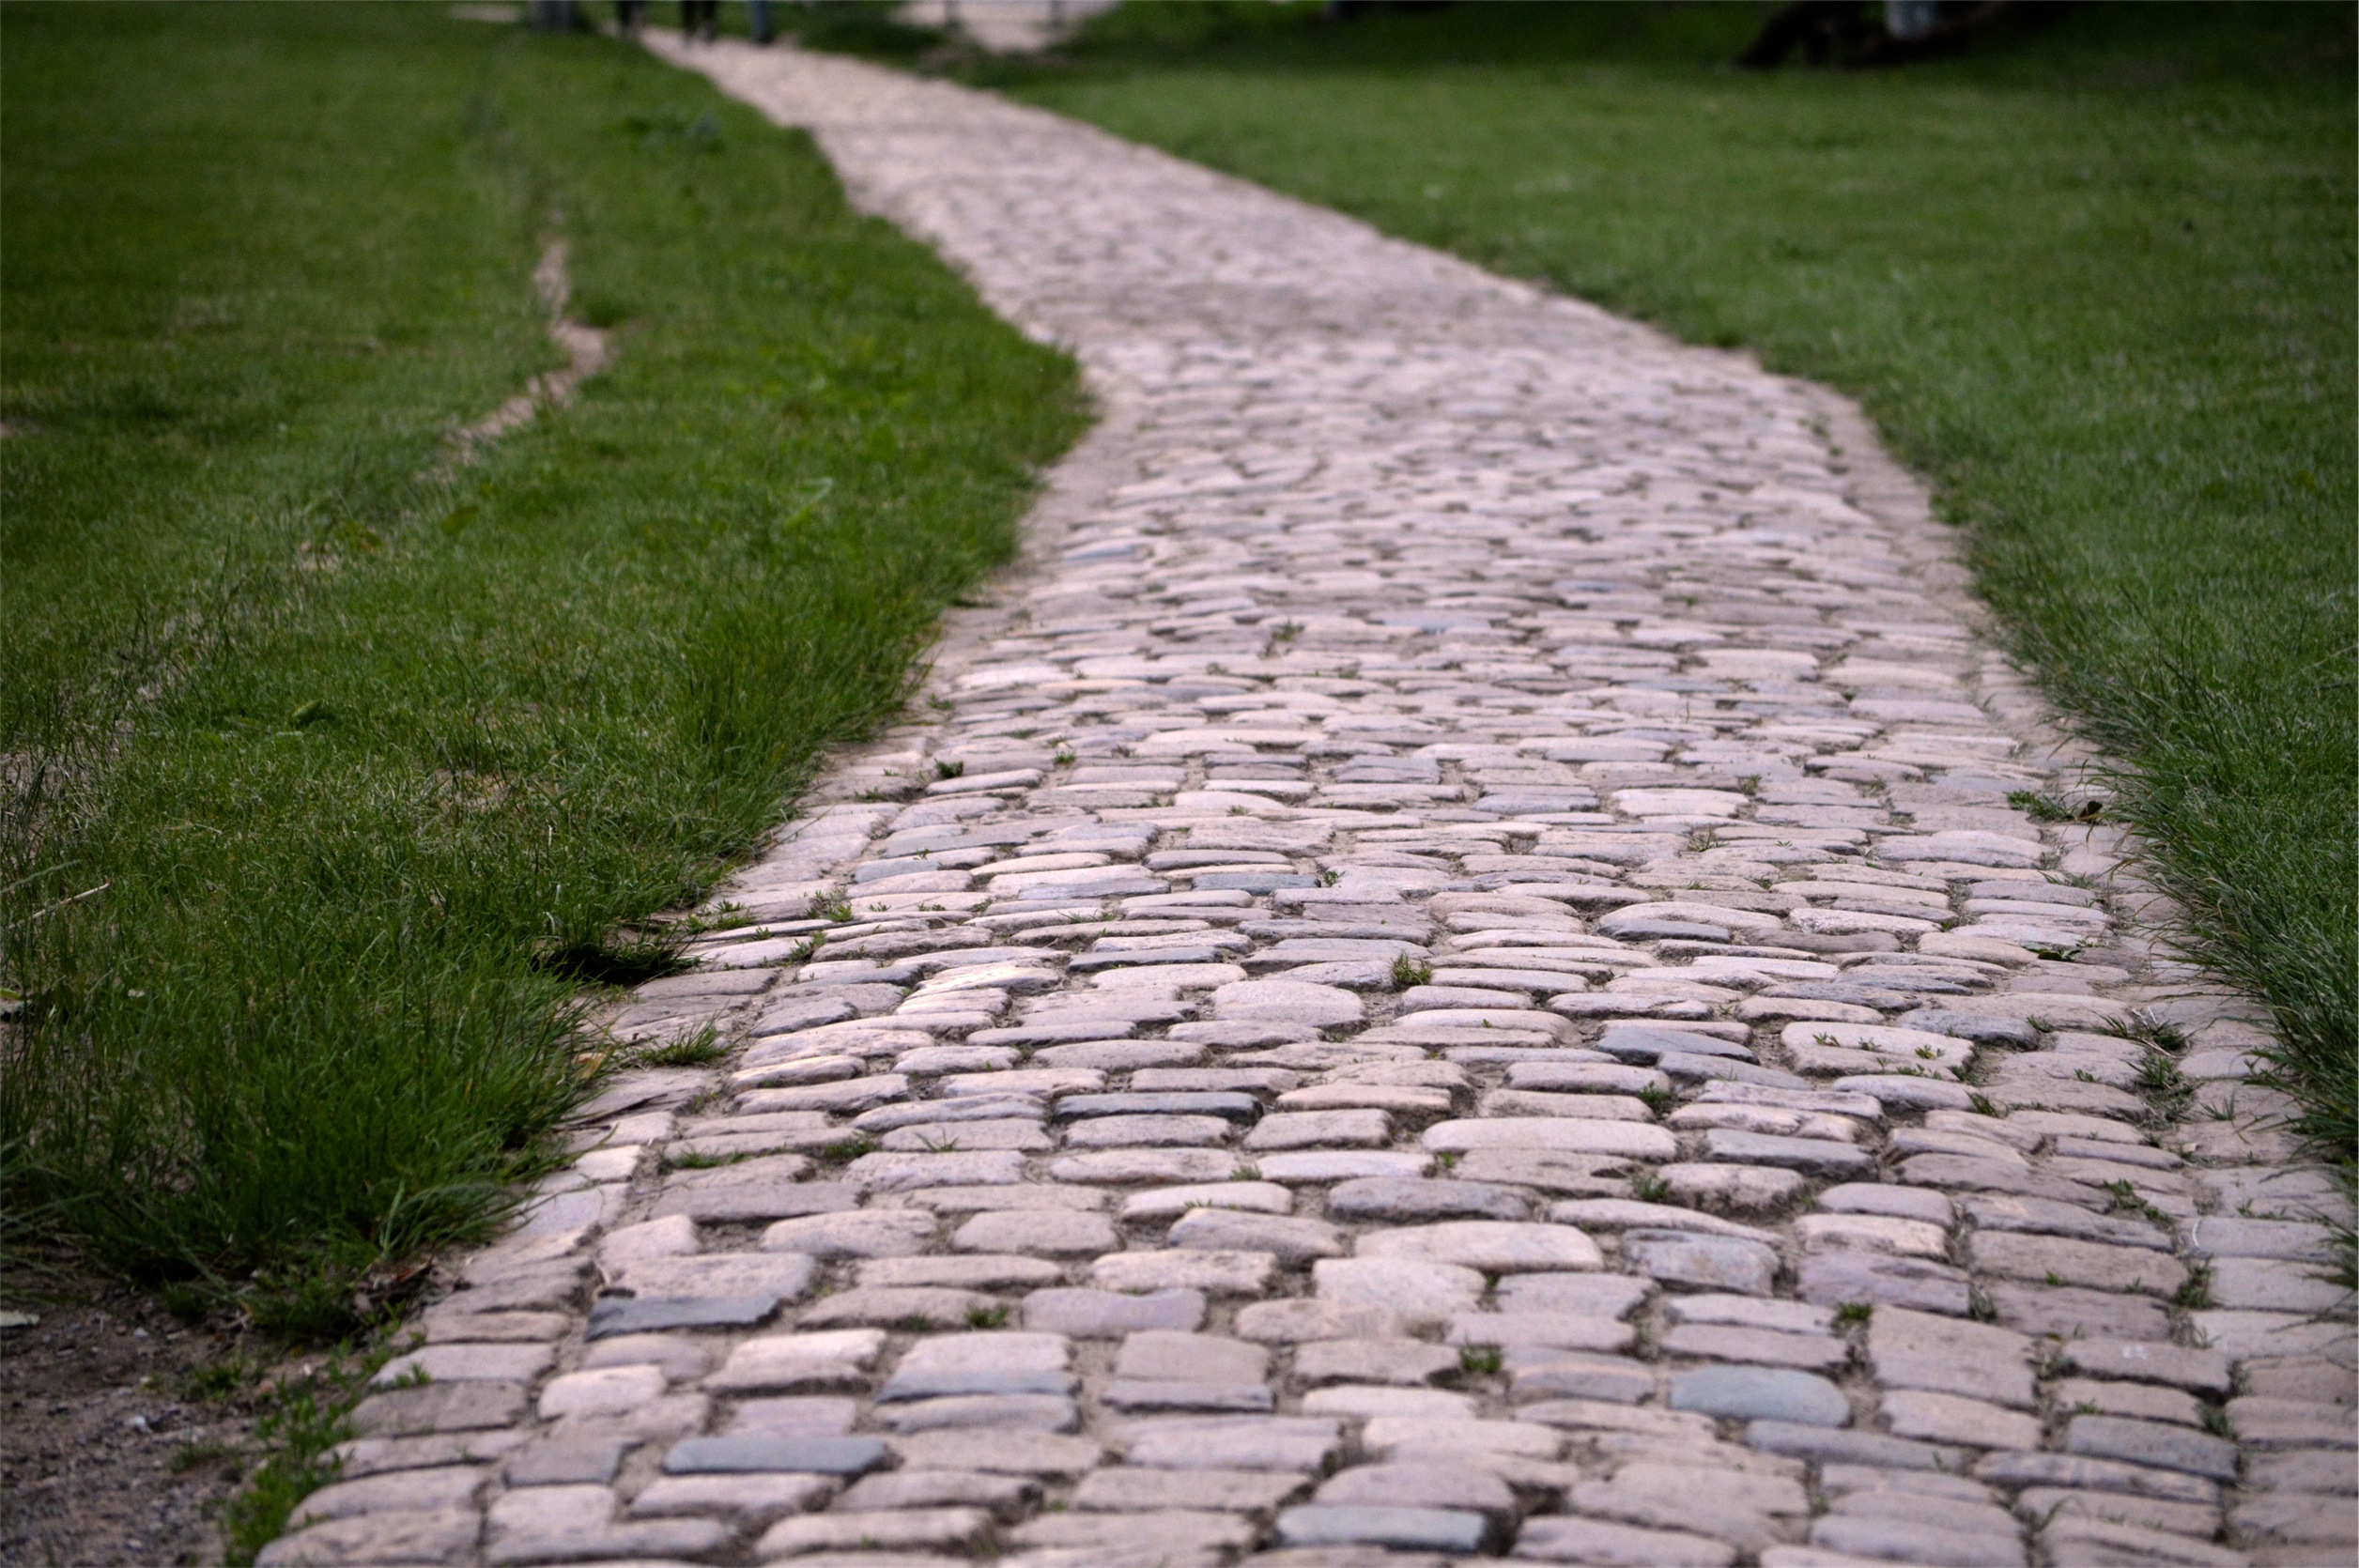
x: 440, y: 1408
x: 1564, y: 1330
x: 920, y: 1530
x: 1441, y: 622
x: 1421, y: 1292
x: 1135, y: 1489
x: 1844, y: 1279
x: 1293, y: 1239
x: 1034, y: 1453
x: 2066, y: 1313
x: 1049, y: 1235
x: 1288, y: 1322
x: 1885, y: 1538
x: 2103, y: 1542
x: 1171, y: 1534
x: 1763, y: 1346
x: 842, y: 1457
x: 792, y: 1364
x: 1025, y: 1412
x: 1760, y: 1393
x: 1548, y: 1373
x: 423, y: 1490
x: 565, y: 1460
x: 2091, y: 1265
x: 982, y: 1363
x: 1554, y: 1134
x: 2144, y: 1401
x: 1106, y: 1314
x: 1851, y: 1446
x: 1491, y: 1246
x: 1243, y: 1443
x: 395, y: 1535
x: 1404, y: 1362
x: 1003, y: 1495
x: 1736, y: 1502
x: 1412, y: 1200
x: 606, y: 1392
x: 920, y: 1307
x: 1393, y: 1528
x: 572, y: 1523
x: 744, y: 1500
x: 1610, y: 1546
x: 1743, y: 1188
x: 466, y: 1363
x: 1921, y: 1350
x: 1705, y: 1262
x: 1214, y: 1274
x: 2155, y: 1443
x: 2105, y: 1475
x: 1943, y: 1418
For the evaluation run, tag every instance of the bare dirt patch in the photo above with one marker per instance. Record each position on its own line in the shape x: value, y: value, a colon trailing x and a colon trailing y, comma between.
x: 111, y: 1451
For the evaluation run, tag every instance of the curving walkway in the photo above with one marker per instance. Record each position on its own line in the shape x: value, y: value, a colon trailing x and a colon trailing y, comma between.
x: 1455, y: 970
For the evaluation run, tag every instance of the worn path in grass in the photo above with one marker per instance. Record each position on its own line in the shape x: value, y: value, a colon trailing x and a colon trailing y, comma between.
x: 1453, y: 970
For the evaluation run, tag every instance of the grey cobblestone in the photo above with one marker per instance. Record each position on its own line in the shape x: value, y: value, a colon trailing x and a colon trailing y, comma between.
x: 1455, y: 968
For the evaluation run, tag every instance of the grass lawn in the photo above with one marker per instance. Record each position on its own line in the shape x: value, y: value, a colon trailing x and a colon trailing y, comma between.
x: 2096, y: 282
x: 329, y: 778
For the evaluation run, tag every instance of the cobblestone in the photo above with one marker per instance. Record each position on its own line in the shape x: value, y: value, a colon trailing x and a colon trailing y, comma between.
x: 1454, y: 967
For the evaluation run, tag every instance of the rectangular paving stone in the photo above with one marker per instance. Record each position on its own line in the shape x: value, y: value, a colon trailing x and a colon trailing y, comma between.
x: 923, y: 1530
x: 1109, y: 1314
x: 782, y: 1363
x: 1242, y: 1443
x: 407, y: 1535
x: 2107, y: 1475
x: 1923, y: 1350
x: 1137, y: 1490
x: 747, y: 1499
x: 838, y: 1456
x: 1851, y: 1446
x: 1036, y: 1454
x: 1944, y: 1418
x: 2153, y: 1443
x: 457, y: 1363
x: 1214, y: 1274
x: 982, y: 1363
x: 1005, y: 1495
x: 366, y: 1456
x: 440, y: 1408
x: 917, y: 1309
x: 2065, y: 1313
x: 656, y: 1315
x: 425, y: 1490
x: 1592, y: 1542
x: 2060, y: 1261
x: 761, y: 1196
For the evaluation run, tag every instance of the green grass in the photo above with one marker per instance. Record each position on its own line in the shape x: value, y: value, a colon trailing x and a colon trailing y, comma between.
x: 2096, y: 281
x: 328, y: 780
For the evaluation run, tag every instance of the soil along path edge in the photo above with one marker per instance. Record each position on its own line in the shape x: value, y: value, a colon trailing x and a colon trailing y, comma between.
x: 1458, y: 964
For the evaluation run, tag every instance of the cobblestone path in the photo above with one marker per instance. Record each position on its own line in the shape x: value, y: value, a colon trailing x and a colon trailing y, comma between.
x: 1459, y: 969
